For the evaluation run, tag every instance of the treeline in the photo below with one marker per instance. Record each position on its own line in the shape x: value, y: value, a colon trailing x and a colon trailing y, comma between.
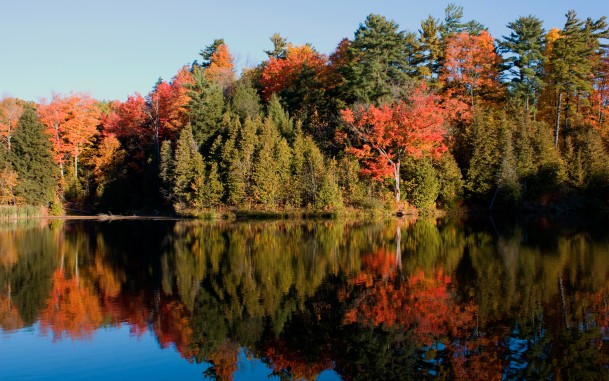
x: 443, y: 116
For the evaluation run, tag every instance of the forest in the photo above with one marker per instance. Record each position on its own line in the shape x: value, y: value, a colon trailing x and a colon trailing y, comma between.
x: 444, y: 117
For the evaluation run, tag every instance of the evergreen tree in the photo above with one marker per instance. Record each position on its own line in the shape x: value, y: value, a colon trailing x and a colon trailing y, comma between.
x: 166, y: 170
x: 431, y: 47
x: 572, y: 59
x: 245, y: 102
x: 508, y: 182
x: 32, y: 160
x: 596, y: 160
x: 188, y: 172
x: 230, y: 166
x: 453, y: 23
x: 378, y: 63
x: 525, y: 62
x: 213, y: 186
x: 209, y: 51
x: 550, y: 173
x: 283, y: 161
x: 482, y: 168
x: 450, y: 181
x: 312, y: 174
x: 427, y: 186
x: 205, y: 107
x: 265, y: 175
x: 329, y: 197
x: 280, y: 117
x: 280, y: 47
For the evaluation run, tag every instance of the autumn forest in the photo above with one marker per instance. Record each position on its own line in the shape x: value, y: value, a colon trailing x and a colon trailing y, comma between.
x: 443, y: 117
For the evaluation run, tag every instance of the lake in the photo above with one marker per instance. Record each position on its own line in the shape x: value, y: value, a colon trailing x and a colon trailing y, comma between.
x: 486, y: 299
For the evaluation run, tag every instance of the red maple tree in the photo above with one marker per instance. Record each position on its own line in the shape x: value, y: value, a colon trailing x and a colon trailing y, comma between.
x: 385, y: 135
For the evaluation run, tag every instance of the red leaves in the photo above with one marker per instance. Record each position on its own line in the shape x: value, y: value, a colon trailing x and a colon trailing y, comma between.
x: 386, y: 133
x: 168, y: 104
x: 128, y: 119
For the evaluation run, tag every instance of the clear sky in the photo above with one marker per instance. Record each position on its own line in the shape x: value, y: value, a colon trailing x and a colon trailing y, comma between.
x: 114, y: 48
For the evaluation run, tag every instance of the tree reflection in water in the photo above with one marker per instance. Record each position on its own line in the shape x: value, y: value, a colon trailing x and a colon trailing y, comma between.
x: 394, y: 300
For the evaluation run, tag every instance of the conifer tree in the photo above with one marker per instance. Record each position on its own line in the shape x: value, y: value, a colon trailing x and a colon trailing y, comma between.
x: 280, y: 46
x: 205, y: 107
x: 427, y: 186
x: 245, y: 102
x: 525, y: 61
x: 329, y: 197
x: 572, y: 57
x: 507, y: 175
x: 450, y: 180
x: 482, y: 168
x: 265, y: 175
x: 188, y: 172
x: 283, y: 161
x: 378, y: 61
x: 280, y: 117
x: 213, y: 187
x: 32, y: 160
x: 431, y: 47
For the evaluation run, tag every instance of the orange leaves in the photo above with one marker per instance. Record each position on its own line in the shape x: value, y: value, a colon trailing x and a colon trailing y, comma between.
x: 471, y: 64
x: 173, y: 326
x: 280, y: 73
x: 72, y: 309
x: 71, y: 122
x: 221, y: 66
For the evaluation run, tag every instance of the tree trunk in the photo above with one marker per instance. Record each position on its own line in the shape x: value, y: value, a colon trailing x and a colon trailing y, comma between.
x: 396, y: 174
x: 76, y: 167
x: 558, y: 118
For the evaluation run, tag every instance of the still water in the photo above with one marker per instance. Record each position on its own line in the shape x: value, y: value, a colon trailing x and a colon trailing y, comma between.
x: 327, y: 300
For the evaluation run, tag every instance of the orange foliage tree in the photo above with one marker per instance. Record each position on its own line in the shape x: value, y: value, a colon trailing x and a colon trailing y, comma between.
x: 168, y: 103
x: 221, y: 67
x: 280, y: 73
x: 10, y: 112
x: 72, y: 123
x: 470, y: 67
x: 385, y: 135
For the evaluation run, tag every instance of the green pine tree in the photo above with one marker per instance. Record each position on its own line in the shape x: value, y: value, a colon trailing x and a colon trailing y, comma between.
x: 280, y: 117
x: 188, y: 173
x: 205, y: 107
x: 265, y: 187
x: 245, y: 101
x: 378, y: 61
x: 427, y: 186
x: 32, y: 159
x: 525, y: 60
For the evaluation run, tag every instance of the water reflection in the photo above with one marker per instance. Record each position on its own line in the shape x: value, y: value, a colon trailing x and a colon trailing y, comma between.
x: 396, y: 300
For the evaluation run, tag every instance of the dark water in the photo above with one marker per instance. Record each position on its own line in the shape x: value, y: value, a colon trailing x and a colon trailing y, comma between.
x: 398, y: 300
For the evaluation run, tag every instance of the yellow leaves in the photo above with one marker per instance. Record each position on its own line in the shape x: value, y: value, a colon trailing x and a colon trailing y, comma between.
x: 8, y: 181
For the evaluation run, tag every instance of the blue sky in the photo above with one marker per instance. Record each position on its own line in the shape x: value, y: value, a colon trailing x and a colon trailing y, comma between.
x: 113, y: 48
